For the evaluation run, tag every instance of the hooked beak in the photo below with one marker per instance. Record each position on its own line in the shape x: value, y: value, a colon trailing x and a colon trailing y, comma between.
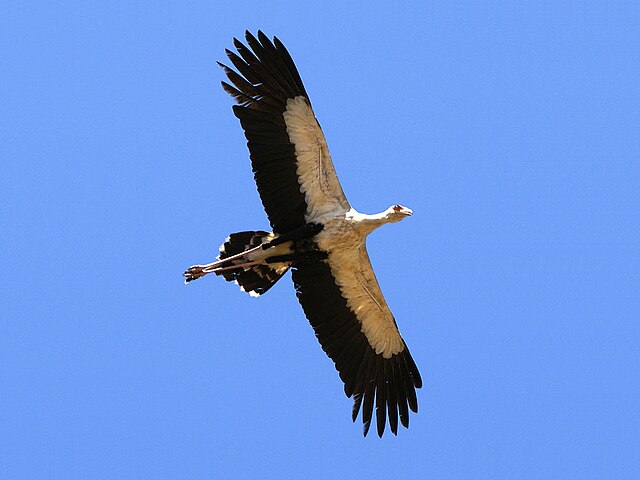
x: 402, y: 210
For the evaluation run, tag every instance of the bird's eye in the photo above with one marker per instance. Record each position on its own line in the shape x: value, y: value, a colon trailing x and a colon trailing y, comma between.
x: 397, y: 207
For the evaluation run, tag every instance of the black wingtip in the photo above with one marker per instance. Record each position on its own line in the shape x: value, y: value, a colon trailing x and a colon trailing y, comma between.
x: 365, y: 428
x: 381, y: 422
x: 263, y: 38
x: 277, y: 43
x: 357, y: 401
x: 249, y: 36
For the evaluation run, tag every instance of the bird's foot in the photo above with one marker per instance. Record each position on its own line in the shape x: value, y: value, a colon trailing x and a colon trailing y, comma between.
x: 193, y: 273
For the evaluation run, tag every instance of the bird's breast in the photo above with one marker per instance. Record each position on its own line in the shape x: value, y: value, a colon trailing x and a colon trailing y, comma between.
x: 339, y: 235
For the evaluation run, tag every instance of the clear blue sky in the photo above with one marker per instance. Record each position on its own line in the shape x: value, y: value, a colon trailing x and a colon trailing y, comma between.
x: 511, y: 128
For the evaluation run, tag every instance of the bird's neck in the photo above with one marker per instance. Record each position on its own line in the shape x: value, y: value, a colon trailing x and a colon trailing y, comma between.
x: 368, y: 223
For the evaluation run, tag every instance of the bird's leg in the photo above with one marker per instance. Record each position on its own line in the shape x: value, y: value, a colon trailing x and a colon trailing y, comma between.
x: 197, y: 271
x: 290, y: 257
x: 222, y: 261
x: 306, y: 231
x: 237, y: 265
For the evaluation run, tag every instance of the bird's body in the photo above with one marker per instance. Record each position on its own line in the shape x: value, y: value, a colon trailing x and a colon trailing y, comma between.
x: 316, y: 234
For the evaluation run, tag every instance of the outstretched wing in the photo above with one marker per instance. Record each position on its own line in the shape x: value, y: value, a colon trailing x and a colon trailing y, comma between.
x: 344, y: 304
x: 291, y: 163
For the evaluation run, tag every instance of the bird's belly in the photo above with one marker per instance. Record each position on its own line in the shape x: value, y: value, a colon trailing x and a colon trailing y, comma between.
x: 338, y: 235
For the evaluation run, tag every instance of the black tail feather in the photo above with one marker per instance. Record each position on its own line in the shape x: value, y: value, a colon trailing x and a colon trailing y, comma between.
x: 254, y: 280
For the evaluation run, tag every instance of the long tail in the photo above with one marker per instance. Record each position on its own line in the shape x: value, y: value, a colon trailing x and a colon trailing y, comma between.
x: 233, y: 264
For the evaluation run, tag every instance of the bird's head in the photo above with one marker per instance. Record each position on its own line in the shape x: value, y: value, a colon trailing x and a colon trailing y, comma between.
x: 397, y: 212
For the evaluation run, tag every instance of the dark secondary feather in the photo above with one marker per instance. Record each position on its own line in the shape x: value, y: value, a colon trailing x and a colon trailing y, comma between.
x: 266, y: 78
x: 373, y: 381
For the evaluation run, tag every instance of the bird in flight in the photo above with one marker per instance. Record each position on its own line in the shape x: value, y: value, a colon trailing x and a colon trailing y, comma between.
x: 316, y: 234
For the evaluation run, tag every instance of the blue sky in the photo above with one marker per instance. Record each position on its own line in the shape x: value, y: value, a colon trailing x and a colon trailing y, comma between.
x: 512, y: 129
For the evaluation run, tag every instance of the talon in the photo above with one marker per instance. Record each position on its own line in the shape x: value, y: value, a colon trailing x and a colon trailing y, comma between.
x: 193, y: 273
